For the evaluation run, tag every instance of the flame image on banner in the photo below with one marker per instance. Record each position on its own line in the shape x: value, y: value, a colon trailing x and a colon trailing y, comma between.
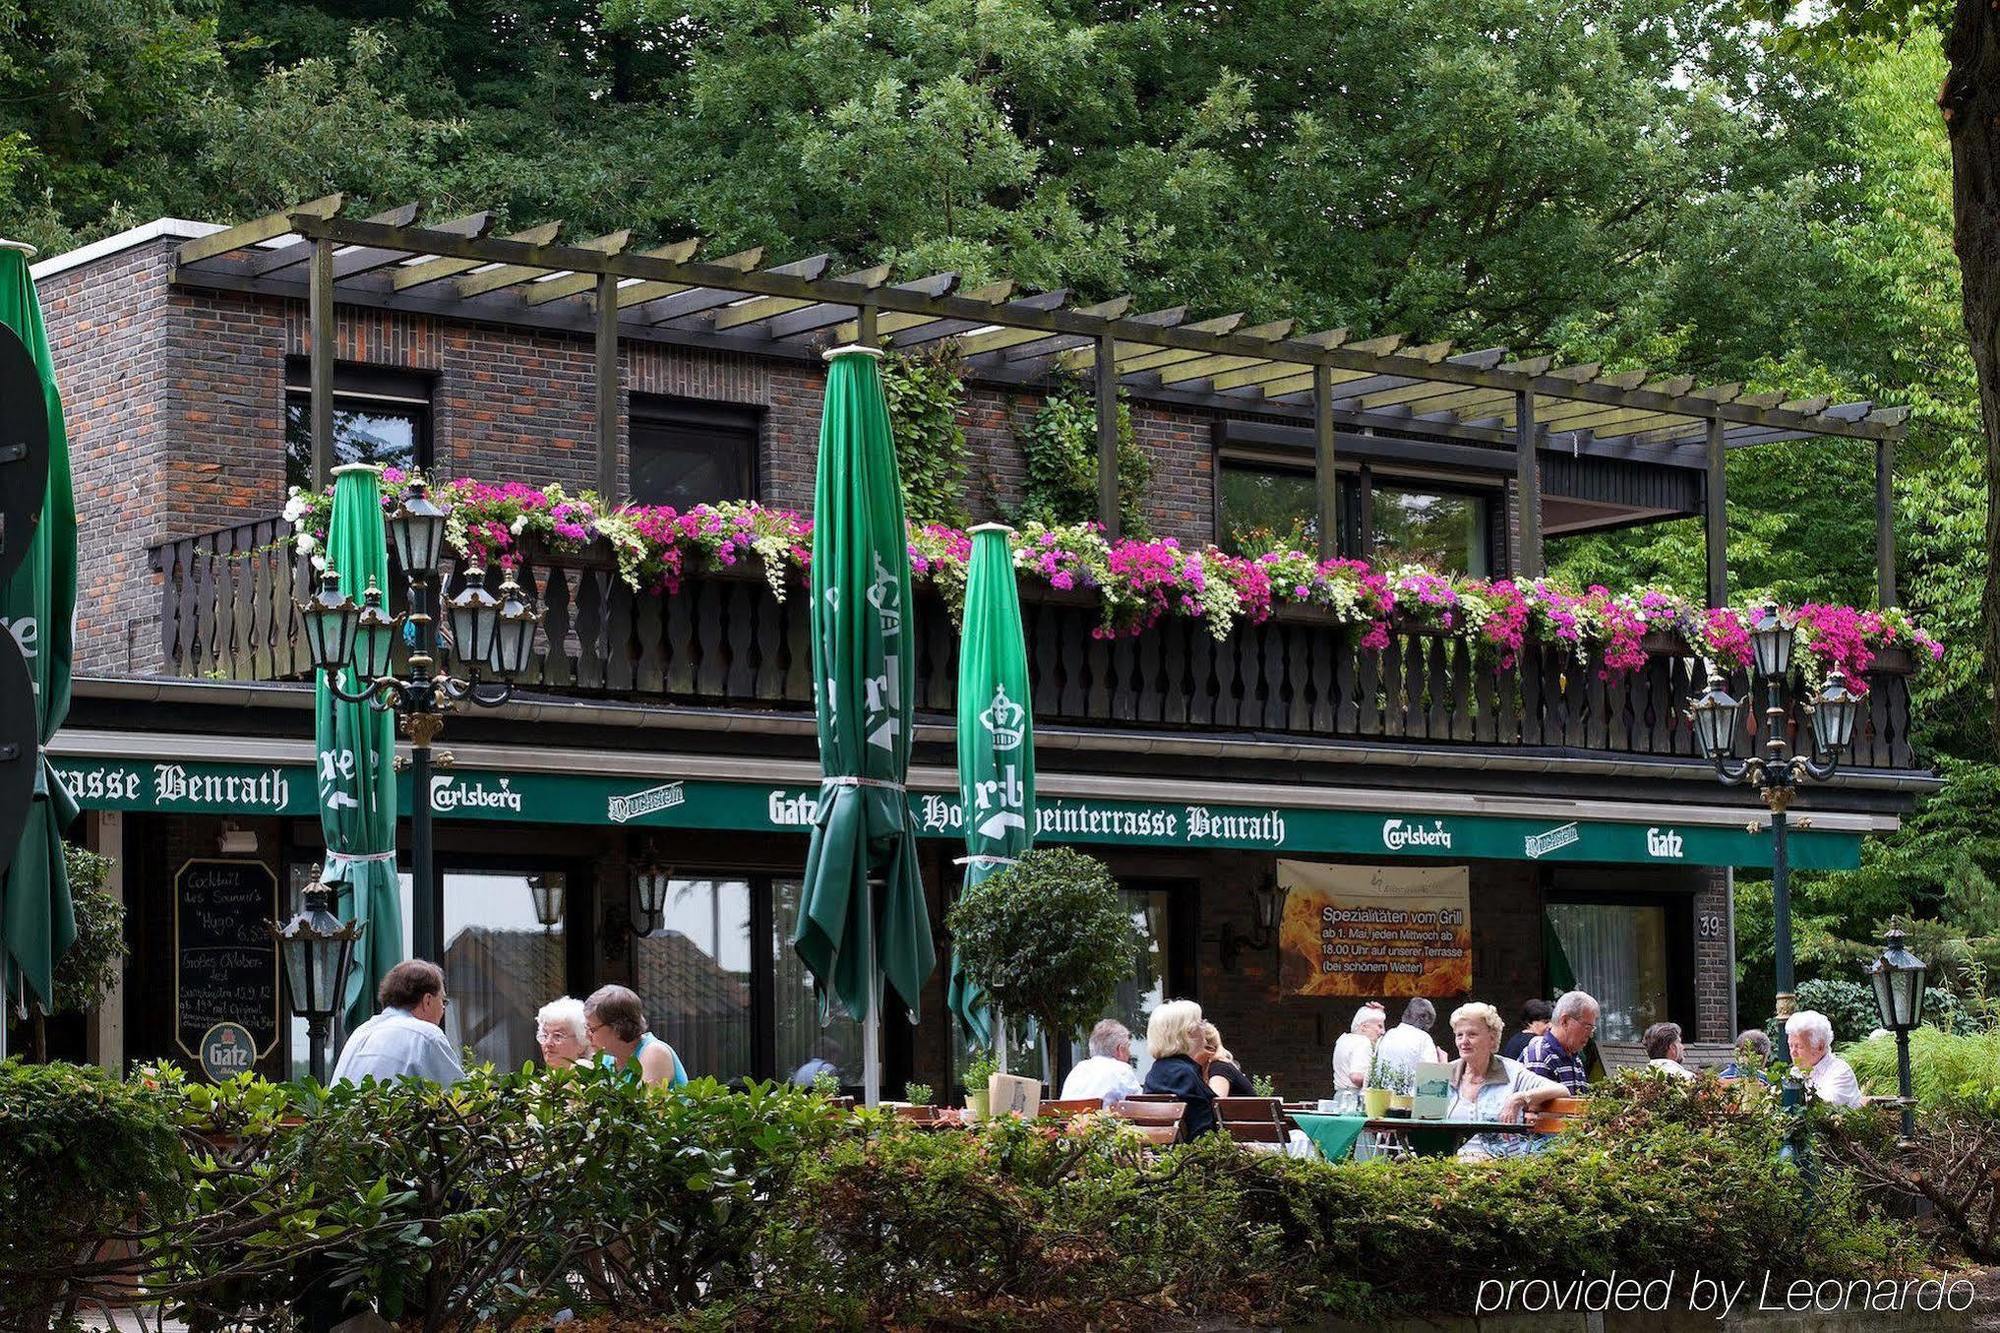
x: 1375, y: 930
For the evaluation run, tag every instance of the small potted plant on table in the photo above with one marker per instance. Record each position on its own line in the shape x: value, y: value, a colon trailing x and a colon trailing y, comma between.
x: 978, y: 1070
x: 918, y: 1095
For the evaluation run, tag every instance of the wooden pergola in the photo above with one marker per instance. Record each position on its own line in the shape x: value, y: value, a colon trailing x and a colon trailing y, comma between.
x: 1431, y: 400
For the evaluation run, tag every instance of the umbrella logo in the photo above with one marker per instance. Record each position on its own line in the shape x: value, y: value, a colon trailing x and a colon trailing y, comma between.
x: 1004, y: 718
x: 886, y: 597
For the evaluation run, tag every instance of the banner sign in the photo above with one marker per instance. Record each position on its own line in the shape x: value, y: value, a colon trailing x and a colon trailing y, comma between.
x: 707, y: 803
x: 1375, y: 930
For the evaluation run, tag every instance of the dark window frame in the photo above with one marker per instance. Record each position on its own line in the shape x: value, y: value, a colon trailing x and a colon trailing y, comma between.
x: 1495, y: 537
x: 1682, y: 964
x: 668, y: 411
x: 359, y: 385
x: 1348, y: 481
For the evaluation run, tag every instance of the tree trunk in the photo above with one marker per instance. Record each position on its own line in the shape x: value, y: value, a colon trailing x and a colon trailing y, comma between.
x: 38, y: 1035
x: 1970, y: 101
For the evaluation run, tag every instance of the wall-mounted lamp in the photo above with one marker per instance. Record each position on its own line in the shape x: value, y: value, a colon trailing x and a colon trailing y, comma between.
x: 651, y: 879
x: 1230, y: 942
x: 548, y: 892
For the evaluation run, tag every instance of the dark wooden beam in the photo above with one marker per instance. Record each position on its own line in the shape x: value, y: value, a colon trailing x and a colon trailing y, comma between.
x: 1304, y: 355
x: 1528, y: 484
x: 1107, y: 436
x: 1885, y: 523
x: 1715, y: 517
x: 319, y: 315
x: 1326, y: 484
x: 606, y: 344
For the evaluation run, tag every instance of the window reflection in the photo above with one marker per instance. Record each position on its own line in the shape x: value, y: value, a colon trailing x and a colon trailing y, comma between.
x: 1441, y: 530
x: 1266, y: 507
x: 803, y: 1047
x: 390, y: 434
x: 693, y: 975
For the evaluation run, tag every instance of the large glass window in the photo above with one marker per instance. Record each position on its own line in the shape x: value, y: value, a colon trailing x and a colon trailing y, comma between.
x: 1442, y: 530
x: 686, y: 453
x: 693, y: 975
x: 803, y: 1046
x: 1619, y: 954
x: 379, y: 416
x: 1267, y: 505
x: 1146, y: 988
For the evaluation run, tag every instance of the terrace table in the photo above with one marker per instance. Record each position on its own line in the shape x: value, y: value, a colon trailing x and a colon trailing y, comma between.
x: 1335, y: 1135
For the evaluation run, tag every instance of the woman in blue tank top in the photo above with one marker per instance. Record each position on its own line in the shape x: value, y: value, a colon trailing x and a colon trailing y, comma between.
x: 617, y: 1025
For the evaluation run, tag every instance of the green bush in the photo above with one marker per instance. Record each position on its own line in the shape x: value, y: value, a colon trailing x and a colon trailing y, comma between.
x: 924, y: 394
x: 1059, y: 446
x: 86, y: 1158
x: 1942, y: 1066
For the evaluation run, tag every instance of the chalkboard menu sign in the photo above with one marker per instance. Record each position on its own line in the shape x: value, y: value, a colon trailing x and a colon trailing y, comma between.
x: 225, y: 961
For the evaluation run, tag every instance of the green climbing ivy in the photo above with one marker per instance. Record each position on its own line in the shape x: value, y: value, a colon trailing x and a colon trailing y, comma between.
x: 925, y: 393
x: 1059, y: 444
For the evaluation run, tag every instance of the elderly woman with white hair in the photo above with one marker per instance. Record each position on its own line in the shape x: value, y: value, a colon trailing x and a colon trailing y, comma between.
x: 1810, y: 1037
x: 1486, y: 1085
x: 1180, y: 1063
x: 562, y: 1033
x: 1354, y: 1053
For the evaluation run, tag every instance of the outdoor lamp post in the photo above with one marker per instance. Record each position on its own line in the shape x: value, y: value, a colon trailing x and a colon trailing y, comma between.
x: 492, y: 637
x: 1899, y: 993
x: 1776, y: 772
x: 317, y: 950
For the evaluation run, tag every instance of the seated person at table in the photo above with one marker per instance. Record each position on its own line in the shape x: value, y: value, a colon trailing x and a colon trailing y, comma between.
x: 1558, y: 1053
x: 1488, y: 1086
x: 1753, y: 1056
x: 1225, y: 1076
x: 1535, y: 1015
x: 617, y: 1025
x: 1665, y: 1050
x: 1354, y: 1053
x: 1175, y: 1041
x: 563, y: 1033
x: 1108, y: 1074
x: 1831, y: 1078
x: 1409, y: 1043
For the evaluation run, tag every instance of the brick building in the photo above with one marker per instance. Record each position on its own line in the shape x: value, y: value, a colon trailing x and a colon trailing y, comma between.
x: 186, y: 365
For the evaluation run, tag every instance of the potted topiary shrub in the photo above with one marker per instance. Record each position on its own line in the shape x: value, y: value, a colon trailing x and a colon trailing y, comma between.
x: 1048, y: 938
x: 978, y: 1070
x: 918, y: 1095
x: 1382, y: 1080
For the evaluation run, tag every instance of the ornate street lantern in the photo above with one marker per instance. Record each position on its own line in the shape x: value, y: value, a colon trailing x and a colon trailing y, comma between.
x: 474, y: 616
x: 1771, y: 641
x: 1718, y: 720
x: 1899, y: 996
x: 417, y: 531
x: 331, y: 618
x: 1834, y: 713
x: 316, y: 949
x: 547, y: 891
x: 514, y: 641
x: 374, y: 637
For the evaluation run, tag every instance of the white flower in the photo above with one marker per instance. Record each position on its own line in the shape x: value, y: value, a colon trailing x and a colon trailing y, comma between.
x: 319, y: 563
x: 519, y: 525
x: 306, y: 543
x: 295, y: 508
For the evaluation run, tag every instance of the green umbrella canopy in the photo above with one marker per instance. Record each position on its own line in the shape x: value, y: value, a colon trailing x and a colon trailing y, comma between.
x: 864, y: 693
x: 37, y: 921
x: 356, y: 744
x: 996, y: 737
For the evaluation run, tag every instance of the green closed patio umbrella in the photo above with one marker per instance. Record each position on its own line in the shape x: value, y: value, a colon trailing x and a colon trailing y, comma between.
x: 996, y: 739
x: 357, y: 751
x: 862, y: 917
x: 37, y: 920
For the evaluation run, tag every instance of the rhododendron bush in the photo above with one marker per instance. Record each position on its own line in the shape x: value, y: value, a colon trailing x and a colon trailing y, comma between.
x: 1137, y: 582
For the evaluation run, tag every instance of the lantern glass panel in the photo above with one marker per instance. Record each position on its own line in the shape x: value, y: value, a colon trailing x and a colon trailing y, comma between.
x: 1718, y: 721
x: 474, y: 616
x: 298, y: 974
x: 417, y: 531
x: 1835, y: 713
x: 1771, y: 641
x: 331, y: 619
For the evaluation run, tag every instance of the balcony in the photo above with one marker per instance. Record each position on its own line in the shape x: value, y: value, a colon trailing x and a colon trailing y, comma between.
x: 227, y: 612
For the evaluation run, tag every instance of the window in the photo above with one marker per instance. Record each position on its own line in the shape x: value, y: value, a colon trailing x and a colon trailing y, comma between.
x: 1620, y: 954
x: 1265, y: 505
x: 686, y: 453
x: 803, y: 1047
x: 1440, y: 529
x: 378, y: 417
x: 693, y: 975
x: 1146, y: 988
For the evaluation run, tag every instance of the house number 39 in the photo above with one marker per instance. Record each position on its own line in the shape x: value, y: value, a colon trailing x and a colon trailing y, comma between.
x: 1711, y: 926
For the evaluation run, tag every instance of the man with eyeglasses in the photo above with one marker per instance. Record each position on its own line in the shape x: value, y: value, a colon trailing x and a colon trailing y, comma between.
x: 1558, y: 1053
x: 406, y: 1039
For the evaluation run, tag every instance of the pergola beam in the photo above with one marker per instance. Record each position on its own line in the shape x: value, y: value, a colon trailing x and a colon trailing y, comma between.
x: 1298, y: 354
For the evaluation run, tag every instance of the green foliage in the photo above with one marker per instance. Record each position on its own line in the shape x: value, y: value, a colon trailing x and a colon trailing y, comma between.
x: 1059, y: 444
x: 1943, y: 1067
x: 1047, y: 938
x: 92, y: 965
x: 979, y: 1068
x: 925, y: 395
x: 87, y: 1156
x: 826, y: 1083
x: 917, y: 1094
x: 1263, y: 1085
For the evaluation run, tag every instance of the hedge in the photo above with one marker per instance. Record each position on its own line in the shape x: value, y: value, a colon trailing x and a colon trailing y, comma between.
x: 514, y: 1195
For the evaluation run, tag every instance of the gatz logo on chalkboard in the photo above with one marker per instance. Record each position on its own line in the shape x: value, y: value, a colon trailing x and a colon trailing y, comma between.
x: 227, y: 1049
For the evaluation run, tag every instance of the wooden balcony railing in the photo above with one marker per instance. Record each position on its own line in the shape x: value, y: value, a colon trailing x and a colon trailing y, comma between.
x: 227, y: 612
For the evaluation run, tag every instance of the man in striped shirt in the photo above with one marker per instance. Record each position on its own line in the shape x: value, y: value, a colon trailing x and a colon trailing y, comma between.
x: 1558, y: 1053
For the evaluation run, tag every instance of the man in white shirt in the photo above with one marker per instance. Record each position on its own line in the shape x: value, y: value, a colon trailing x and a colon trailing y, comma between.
x: 1108, y: 1074
x: 1810, y: 1036
x: 1409, y: 1043
x: 406, y: 1039
x: 1665, y: 1049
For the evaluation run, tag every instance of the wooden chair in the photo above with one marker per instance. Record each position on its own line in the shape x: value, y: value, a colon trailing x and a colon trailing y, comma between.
x: 1259, y: 1120
x: 1072, y: 1106
x: 1159, y: 1121
x: 1556, y: 1115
